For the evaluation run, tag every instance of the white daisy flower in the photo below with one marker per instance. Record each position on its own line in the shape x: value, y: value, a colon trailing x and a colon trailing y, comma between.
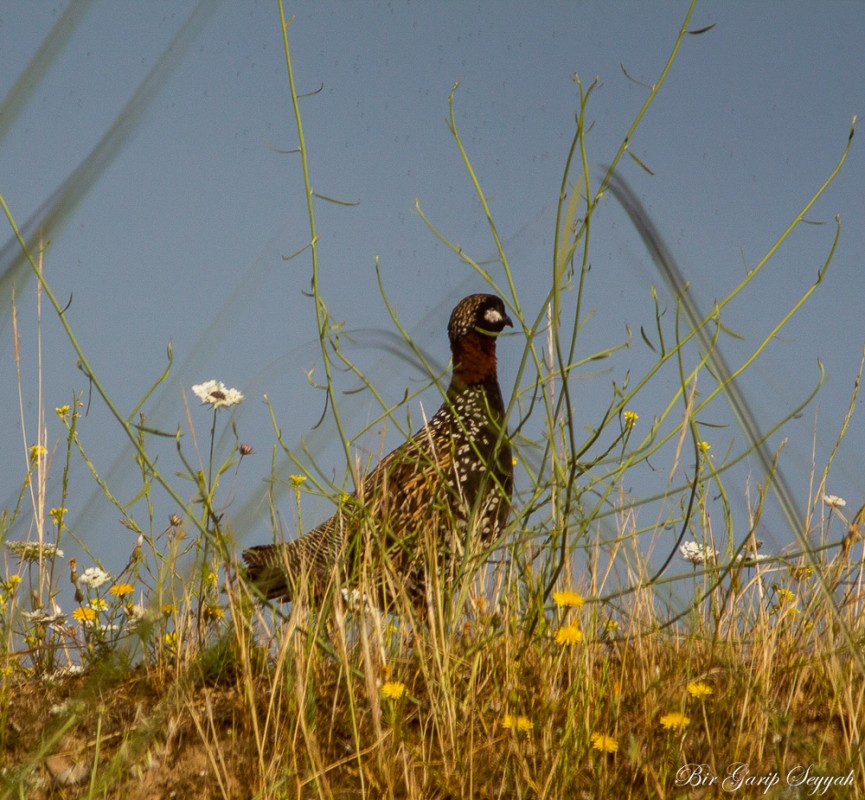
x: 94, y: 577
x: 217, y: 394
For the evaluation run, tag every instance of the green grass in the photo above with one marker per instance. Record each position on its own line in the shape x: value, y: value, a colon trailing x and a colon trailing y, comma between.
x: 566, y: 663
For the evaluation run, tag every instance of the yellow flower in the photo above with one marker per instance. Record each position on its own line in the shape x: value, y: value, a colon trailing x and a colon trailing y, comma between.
x: 604, y: 743
x: 214, y: 612
x: 297, y: 480
x: 801, y: 572
x: 170, y: 639
x: 98, y: 602
x: 785, y: 596
x: 514, y: 461
x: 611, y: 625
x: 705, y: 447
x: 37, y: 451
x: 521, y: 723
x: 212, y: 578
x: 62, y: 412
x: 630, y: 418
x: 674, y: 721
x: 391, y: 631
x: 393, y: 690
x: 168, y: 609
x: 14, y: 580
x: 56, y: 514
x: 699, y: 689
x: 568, y: 635
x: 121, y: 589
x: 84, y: 614
x: 568, y: 600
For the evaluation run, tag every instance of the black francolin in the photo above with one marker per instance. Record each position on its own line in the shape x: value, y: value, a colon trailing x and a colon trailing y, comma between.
x: 429, y: 502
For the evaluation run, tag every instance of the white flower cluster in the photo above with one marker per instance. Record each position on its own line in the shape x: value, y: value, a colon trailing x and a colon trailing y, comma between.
x: 750, y: 559
x: 94, y: 577
x: 30, y: 551
x: 43, y: 616
x: 833, y: 501
x: 697, y: 553
x: 61, y: 673
x: 139, y: 617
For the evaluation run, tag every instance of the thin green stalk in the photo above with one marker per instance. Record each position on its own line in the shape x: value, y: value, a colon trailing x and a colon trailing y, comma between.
x: 321, y: 312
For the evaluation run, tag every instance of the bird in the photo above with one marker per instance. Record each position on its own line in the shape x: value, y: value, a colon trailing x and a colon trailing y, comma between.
x: 429, y: 502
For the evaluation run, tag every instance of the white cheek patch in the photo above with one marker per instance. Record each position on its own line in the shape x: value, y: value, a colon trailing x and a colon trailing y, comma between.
x: 492, y: 316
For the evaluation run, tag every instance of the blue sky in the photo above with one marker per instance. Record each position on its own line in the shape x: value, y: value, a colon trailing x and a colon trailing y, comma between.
x: 181, y: 235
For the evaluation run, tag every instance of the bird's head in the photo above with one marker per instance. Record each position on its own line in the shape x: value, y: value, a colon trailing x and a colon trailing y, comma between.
x: 484, y: 314
x: 474, y: 326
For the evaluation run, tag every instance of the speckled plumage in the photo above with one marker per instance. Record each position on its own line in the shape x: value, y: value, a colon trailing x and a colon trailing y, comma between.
x: 447, y: 486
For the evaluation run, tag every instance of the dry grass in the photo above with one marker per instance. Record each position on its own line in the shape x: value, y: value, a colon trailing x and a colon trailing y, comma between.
x: 272, y: 706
